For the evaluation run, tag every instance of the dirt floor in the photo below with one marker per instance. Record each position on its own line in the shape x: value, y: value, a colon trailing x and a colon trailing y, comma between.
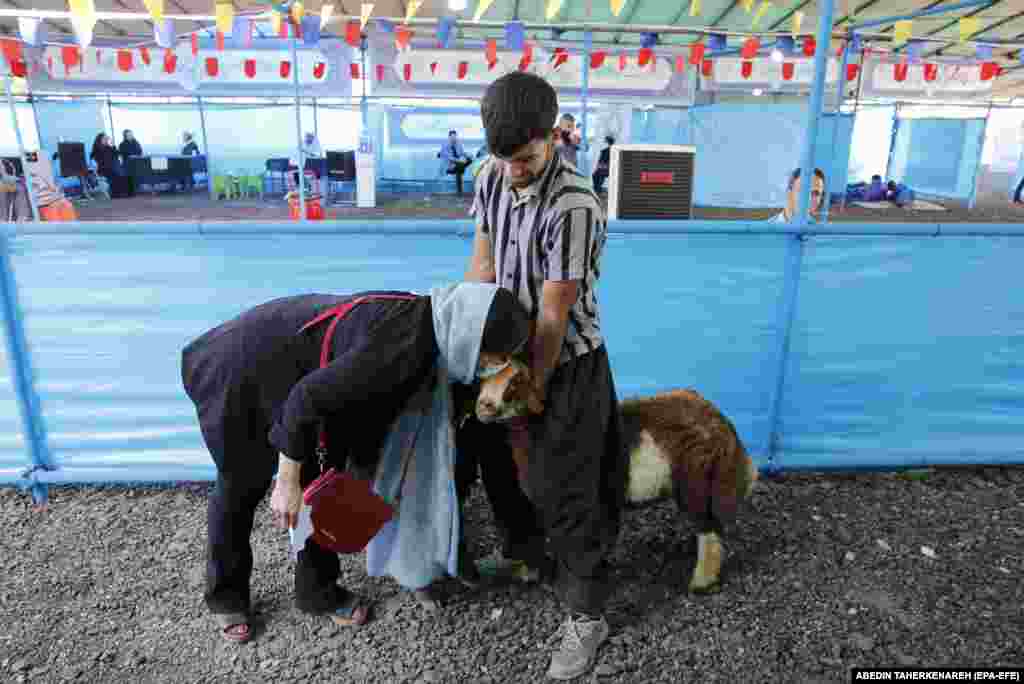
x: 991, y: 208
x: 824, y: 573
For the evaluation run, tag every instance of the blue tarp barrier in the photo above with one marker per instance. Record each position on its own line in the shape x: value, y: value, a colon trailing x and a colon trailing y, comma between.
x: 904, y: 351
x: 938, y: 156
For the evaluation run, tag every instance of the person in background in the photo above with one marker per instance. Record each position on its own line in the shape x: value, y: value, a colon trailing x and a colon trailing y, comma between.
x: 190, y: 148
x: 129, y: 147
x: 311, y: 146
x: 875, y: 192
x: 793, y: 197
x: 567, y: 140
x: 455, y: 159
x: 604, y: 164
x: 109, y: 166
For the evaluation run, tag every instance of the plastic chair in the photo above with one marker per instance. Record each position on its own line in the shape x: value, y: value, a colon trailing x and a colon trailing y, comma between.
x: 222, y: 185
x: 251, y: 186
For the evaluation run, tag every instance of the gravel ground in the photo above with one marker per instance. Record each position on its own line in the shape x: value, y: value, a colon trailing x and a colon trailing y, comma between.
x: 825, y: 572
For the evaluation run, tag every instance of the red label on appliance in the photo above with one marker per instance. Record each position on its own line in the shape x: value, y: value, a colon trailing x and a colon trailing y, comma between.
x: 656, y: 177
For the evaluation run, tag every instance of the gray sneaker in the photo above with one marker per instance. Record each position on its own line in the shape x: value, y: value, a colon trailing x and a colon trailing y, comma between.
x: 580, y: 641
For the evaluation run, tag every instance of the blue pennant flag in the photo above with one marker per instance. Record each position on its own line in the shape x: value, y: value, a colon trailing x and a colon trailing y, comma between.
x: 648, y: 40
x: 444, y: 30
x: 385, y: 25
x: 717, y: 42
x: 514, y: 35
x: 786, y: 45
x: 984, y: 52
x: 310, y: 29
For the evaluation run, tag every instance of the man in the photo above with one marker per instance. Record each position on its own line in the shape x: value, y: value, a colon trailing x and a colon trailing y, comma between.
x: 262, y: 392
x: 455, y: 159
x: 604, y: 165
x: 793, y: 197
x: 567, y: 140
x: 540, y: 233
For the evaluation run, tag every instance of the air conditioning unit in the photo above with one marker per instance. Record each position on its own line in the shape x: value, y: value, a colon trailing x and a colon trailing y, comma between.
x: 651, y: 182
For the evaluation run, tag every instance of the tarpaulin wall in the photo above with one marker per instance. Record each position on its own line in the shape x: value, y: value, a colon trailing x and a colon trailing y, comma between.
x: 938, y: 156
x: 904, y: 350
x: 745, y: 152
x: 27, y: 125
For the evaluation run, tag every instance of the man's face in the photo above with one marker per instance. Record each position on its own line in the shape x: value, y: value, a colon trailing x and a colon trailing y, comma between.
x: 526, y: 165
x: 817, y: 196
x: 567, y: 125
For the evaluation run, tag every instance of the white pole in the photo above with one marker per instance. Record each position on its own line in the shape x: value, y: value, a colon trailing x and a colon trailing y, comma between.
x: 206, y: 149
x: 21, y: 151
x: 298, y: 129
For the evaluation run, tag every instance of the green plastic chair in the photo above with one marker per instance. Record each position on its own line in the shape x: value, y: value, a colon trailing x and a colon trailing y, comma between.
x: 220, y: 187
x: 252, y: 185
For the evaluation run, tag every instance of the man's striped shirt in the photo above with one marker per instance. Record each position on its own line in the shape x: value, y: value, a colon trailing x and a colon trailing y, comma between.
x: 554, y: 229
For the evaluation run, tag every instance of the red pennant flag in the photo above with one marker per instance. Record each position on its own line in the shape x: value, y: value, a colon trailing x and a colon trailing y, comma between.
x: 19, y: 69
x: 788, y: 69
x: 851, y: 71
x: 282, y: 31
x: 212, y: 67
x: 407, y: 72
x: 706, y: 68
x: 433, y: 68
x: 622, y: 62
x: 353, y: 70
x: 71, y: 56
x: 491, y: 51
x: 124, y: 60
x: 319, y: 69
x: 380, y: 72
x: 750, y: 48
x: 680, y: 64
x: 402, y: 37
x: 463, y: 70
x: 353, y: 34
x: 491, y: 65
x: 644, y: 58
x: 144, y: 53
x: 597, y: 59
x: 99, y: 54
x: 989, y: 70
x: 900, y: 71
x: 11, y: 49
x: 49, y: 66
x: 250, y: 68
x: 931, y: 72
x: 810, y: 46
x: 285, y: 69
x: 527, y: 59
x: 747, y: 68
x: 696, y: 53
x: 170, y: 61
x: 195, y: 44
x: 561, y: 57
x: 220, y: 41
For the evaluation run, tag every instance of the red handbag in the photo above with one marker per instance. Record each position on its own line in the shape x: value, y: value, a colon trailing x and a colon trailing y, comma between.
x: 346, y: 512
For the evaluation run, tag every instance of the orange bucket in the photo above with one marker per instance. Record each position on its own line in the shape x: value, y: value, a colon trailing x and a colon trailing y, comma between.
x: 61, y: 210
x: 314, y: 210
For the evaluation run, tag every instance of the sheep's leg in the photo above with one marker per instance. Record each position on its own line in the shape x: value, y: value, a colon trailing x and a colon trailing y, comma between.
x: 707, y: 573
x: 693, y: 496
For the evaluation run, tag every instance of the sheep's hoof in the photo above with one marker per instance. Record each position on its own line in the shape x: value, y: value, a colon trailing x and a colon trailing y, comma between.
x: 705, y: 578
x: 705, y: 585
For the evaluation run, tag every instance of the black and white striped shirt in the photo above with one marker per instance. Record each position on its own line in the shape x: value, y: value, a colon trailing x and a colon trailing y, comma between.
x: 554, y: 229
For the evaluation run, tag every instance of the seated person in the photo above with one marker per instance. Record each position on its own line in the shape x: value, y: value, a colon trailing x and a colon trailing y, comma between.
x: 455, y: 159
x: 793, y: 197
x: 899, y: 194
x: 190, y: 148
x: 875, y: 191
x: 604, y: 161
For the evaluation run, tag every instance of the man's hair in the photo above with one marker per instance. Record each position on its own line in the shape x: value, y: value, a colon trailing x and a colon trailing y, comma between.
x: 796, y: 174
x: 518, y: 108
x: 876, y: 177
x: 569, y: 117
x: 609, y: 139
x: 451, y: 133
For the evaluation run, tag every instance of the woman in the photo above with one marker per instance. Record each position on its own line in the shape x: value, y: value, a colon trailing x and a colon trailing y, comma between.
x: 108, y: 166
x: 261, y: 396
x: 129, y: 147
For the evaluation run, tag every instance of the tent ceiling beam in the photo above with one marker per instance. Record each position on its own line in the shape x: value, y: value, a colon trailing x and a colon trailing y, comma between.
x: 981, y: 32
x: 634, y: 7
x: 785, y: 17
x: 856, y: 11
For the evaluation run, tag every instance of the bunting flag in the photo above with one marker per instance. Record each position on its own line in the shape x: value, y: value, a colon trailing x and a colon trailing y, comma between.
x: 310, y: 30
x: 412, y: 8
x: 696, y: 53
x: 527, y: 58
x: 748, y: 5
x: 380, y: 72
x: 463, y: 70
x: 561, y: 57
x: 11, y: 48
x: 989, y: 70
x: 32, y: 31
x: 19, y: 69
x: 71, y: 55
x: 481, y: 7
x: 694, y: 8
x: 914, y: 50
x: 787, y: 71
x: 616, y: 7
x: 491, y: 51
x: 900, y: 71
x: 241, y: 32
x: 212, y: 67
x: 250, y: 68
x: 83, y: 20
x: 851, y: 71
x: 597, y: 59
x: 275, y: 22
x: 750, y: 48
x: 402, y: 38
x: 680, y: 64
x: 224, y: 14
x: 285, y: 69
x: 433, y: 68
x: 717, y: 42
x: 786, y: 45
x: 353, y: 33
x: 514, y: 35
x: 155, y: 9
x: 644, y: 58
x: 219, y: 40
x: 163, y: 33
x: 968, y: 27
x: 984, y: 52
x: 552, y: 9
x: 195, y: 44
x: 170, y: 61
x: 761, y: 11
x: 931, y: 72
x: 798, y: 22
x: 810, y: 46
x: 901, y: 31
x: 747, y: 68
x: 648, y: 40
x: 325, y: 15
x: 706, y: 68
x: 622, y: 62
x: 298, y: 10
x: 364, y: 16
x: 144, y: 54
x: 353, y: 70
x: 407, y: 72
x: 444, y: 30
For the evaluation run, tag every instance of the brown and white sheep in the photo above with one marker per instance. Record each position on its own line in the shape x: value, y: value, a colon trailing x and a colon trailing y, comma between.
x: 679, y: 443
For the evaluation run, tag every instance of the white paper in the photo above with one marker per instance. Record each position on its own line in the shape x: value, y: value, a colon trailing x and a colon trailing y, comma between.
x: 158, y: 163
x: 303, y: 530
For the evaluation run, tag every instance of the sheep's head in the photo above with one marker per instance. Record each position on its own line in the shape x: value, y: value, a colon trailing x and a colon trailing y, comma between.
x: 506, y: 390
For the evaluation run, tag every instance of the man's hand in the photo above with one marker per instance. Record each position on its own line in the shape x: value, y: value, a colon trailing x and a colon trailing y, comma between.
x: 557, y: 298
x: 286, y: 499
x: 481, y: 268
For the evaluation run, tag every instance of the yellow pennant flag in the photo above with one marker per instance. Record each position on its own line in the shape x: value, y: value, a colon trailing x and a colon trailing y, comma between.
x: 155, y: 9
x: 224, y: 13
x: 694, y: 8
x: 364, y: 17
x: 968, y: 27
x: 748, y: 5
x: 482, y: 7
x: 83, y: 20
x: 798, y: 21
x: 617, y: 6
x: 297, y: 12
x: 275, y: 22
x: 765, y: 6
x: 552, y: 9
x: 412, y: 9
x: 325, y: 14
x: 901, y: 32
